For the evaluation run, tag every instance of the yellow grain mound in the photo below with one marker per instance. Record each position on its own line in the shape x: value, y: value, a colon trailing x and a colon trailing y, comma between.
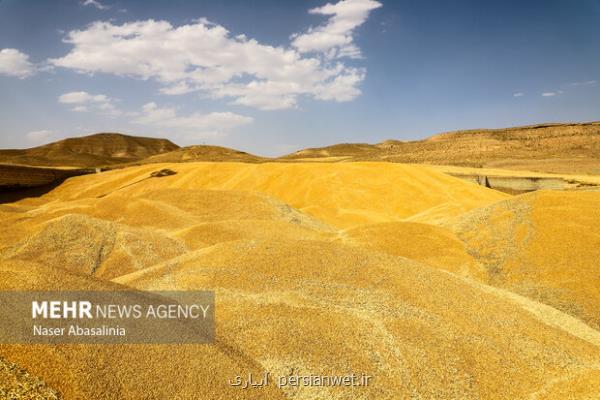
x: 326, y: 308
x: 108, y: 372
x: 544, y: 245
x: 342, y: 195
x: 92, y: 246
x: 17, y: 383
x: 373, y: 268
x: 429, y: 244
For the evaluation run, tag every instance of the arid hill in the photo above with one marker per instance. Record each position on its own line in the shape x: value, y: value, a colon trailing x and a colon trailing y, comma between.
x: 97, y: 150
x: 22, y: 168
x: 559, y: 148
x: 203, y: 153
x: 553, y: 148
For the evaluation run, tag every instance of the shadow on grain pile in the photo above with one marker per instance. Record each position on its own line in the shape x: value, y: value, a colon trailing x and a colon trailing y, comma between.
x: 14, y: 195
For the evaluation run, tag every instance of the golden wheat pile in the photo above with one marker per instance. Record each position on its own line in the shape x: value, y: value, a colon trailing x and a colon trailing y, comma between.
x: 438, y: 288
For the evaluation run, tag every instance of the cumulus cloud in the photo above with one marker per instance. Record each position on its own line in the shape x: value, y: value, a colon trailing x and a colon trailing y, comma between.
x: 335, y: 38
x: 15, y: 63
x: 342, y: 88
x: 518, y: 94
x: 197, y: 125
x: 204, y: 57
x: 84, y: 101
x: 95, y: 3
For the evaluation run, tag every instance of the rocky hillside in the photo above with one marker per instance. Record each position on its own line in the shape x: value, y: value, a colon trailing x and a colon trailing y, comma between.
x: 559, y: 148
x: 203, y: 153
x: 96, y: 150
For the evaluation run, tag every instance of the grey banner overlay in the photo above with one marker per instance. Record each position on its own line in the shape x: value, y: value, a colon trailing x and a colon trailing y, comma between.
x: 56, y: 317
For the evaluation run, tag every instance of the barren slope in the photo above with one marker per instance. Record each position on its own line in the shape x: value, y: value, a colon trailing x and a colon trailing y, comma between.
x: 203, y: 153
x: 559, y: 148
x: 89, y: 151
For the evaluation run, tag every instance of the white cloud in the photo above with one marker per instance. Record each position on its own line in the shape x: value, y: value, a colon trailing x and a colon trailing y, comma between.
x: 41, y: 136
x: 584, y: 83
x: 83, y: 102
x: 518, y: 94
x: 95, y: 3
x: 342, y: 88
x: 203, y: 56
x: 335, y: 38
x: 552, y: 94
x: 81, y: 97
x: 193, y: 126
x: 196, y: 125
x: 15, y: 63
x: 179, y: 88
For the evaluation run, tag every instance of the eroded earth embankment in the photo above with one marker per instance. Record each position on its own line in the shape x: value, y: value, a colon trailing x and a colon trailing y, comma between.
x: 14, y: 177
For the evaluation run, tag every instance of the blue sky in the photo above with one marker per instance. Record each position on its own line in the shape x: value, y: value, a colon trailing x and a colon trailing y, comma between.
x: 271, y: 77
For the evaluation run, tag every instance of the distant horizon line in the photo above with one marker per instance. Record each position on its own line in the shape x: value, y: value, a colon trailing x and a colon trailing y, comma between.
x: 531, y: 126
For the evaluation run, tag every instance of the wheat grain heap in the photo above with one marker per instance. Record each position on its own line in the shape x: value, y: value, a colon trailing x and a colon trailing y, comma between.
x: 436, y: 287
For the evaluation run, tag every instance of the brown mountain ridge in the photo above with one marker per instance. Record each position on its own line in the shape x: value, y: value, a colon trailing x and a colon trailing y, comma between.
x: 96, y: 150
x: 552, y: 148
x: 203, y: 153
x: 551, y: 156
